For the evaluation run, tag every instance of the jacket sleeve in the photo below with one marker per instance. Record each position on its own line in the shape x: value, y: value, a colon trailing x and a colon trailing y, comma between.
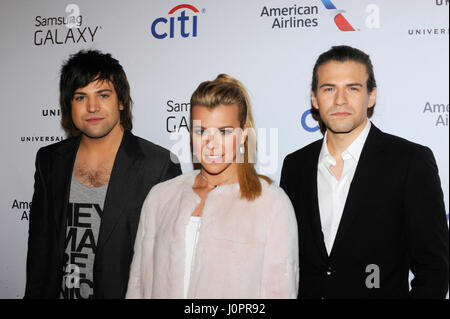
x: 141, y: 270
x: 171, y: 169
x: 280, y: 273
x: 427, y: 230
x: 284, y: 175
x: 38, y: 245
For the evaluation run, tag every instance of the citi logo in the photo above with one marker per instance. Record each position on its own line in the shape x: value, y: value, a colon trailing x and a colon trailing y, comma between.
x: 184, y: 25
x: 308, y: 122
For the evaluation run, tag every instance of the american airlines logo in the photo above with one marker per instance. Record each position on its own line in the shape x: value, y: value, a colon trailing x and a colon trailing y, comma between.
x: 372, y: 17
x: 339, y: 19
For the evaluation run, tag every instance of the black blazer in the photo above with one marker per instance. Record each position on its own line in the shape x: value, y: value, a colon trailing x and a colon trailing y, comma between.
x: 394, y: 217
x: 139, y: 165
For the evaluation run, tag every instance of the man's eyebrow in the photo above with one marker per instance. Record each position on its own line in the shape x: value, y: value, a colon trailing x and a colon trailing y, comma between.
x: 333, y: 85
x: 355, y: 84
x: 99, y: 91
x: 104, y: 90
x: 326, y: 84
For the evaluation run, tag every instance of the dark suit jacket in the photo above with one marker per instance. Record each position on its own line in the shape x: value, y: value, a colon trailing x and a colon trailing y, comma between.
x: 394, y: 217
x: 139, y: 165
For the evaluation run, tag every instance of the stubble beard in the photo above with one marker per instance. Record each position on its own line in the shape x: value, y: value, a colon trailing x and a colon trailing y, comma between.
x: 341, y: 128
x: 101, y: 132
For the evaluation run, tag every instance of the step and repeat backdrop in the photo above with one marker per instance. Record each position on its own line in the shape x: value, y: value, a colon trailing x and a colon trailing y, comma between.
x: 168, y: 47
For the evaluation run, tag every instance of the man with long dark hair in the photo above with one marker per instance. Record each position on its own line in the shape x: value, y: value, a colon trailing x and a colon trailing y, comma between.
x: 369, y: 205
x: 89, y: 188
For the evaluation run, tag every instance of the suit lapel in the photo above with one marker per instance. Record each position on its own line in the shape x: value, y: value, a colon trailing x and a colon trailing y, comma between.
x: 359, y: 185
x: 123, y: 174
x: 312, y: 201
x: 64, y: 161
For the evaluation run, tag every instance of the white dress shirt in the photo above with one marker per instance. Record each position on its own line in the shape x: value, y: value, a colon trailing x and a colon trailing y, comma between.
x: 332, y: 193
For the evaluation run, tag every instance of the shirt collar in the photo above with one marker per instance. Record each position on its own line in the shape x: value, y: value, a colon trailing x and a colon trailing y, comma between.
x: 356, y: 147
x: 353, y: 151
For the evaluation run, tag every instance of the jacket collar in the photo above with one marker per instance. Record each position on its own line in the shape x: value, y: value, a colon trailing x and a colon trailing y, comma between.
x: 64, y: 161
x: 123, y: 175
x: 358, y: 188
x: 124, y: 170
x: 356, y: 196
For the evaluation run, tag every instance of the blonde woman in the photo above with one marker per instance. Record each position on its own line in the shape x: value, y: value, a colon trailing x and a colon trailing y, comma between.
x: 222, y: 231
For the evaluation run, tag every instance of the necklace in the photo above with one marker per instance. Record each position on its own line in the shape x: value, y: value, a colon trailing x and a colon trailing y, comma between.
x: 214, y: 185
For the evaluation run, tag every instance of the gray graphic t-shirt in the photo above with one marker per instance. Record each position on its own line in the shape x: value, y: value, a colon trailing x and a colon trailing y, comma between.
x: 83, y: 225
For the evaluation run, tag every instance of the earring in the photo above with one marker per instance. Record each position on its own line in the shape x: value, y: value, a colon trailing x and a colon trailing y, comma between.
x: 242, y: 149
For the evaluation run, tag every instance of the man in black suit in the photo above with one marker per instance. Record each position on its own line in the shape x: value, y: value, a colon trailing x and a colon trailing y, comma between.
x: 89, y: 189
x: 369, y: 205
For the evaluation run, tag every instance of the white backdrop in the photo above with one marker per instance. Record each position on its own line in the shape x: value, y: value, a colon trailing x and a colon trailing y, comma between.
x: 270, y: 49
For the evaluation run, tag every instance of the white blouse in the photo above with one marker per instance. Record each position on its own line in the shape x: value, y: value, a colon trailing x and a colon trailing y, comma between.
x: 192, y: 233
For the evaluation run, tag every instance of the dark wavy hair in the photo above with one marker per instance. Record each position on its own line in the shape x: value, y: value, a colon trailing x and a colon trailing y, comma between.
x: 342, y: 53
x: 81, y: 69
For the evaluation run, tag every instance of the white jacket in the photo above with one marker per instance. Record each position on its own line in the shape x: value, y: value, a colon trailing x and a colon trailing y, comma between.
x: 246, y: 249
